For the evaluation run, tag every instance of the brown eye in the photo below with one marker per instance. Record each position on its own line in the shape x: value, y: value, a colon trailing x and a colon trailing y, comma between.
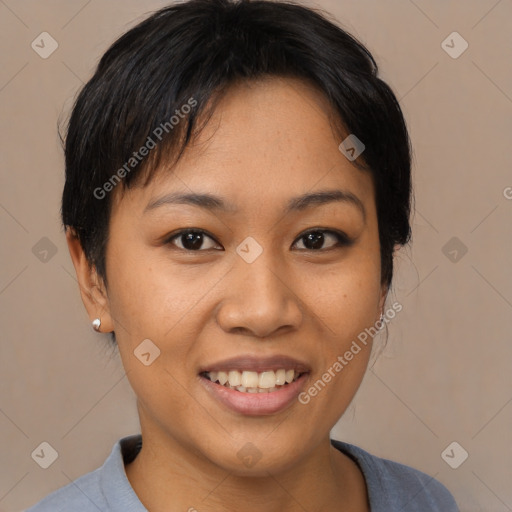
x: 315, y: 240
x: 191, y: 240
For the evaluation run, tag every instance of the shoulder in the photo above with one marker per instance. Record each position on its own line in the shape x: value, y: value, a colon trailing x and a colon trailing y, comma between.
x: 82, y: 494
x: 106, y: 488
x: 395, y: 486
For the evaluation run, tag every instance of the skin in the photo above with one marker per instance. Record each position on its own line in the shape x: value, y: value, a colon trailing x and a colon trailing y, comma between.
x: 267, y: 142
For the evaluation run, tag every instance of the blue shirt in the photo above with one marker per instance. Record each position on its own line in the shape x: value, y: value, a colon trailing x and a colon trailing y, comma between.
x: 392, y: 487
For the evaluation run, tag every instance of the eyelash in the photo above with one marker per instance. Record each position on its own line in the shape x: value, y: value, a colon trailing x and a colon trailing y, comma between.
x: 342, y: 239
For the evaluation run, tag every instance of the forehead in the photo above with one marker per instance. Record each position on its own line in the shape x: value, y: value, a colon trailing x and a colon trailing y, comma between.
x: 265, y: 142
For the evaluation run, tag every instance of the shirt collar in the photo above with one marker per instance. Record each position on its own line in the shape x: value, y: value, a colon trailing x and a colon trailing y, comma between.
x: 114, y: 483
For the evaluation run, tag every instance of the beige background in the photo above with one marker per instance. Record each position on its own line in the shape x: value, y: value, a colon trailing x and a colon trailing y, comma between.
x: 445, y: 373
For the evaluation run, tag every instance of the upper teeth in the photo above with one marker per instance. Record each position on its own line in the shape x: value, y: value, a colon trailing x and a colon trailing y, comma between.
x: 266, y: 380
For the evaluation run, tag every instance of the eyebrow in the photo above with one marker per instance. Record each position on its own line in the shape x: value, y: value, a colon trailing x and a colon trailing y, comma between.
x: 215, y: 203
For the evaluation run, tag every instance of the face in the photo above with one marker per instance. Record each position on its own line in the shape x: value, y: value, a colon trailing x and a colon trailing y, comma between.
x: 270, y: 286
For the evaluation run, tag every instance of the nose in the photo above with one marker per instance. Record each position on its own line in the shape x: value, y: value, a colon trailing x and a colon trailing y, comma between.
x: 259, y: 300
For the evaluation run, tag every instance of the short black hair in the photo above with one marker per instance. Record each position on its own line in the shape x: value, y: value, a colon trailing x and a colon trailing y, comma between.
x: 187, y: 55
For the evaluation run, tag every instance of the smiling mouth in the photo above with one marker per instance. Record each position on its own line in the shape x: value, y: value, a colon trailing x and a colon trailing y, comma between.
x: 254, y: 382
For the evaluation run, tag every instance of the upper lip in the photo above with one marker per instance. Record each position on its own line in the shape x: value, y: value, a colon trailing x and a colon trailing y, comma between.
x: 257, y: 364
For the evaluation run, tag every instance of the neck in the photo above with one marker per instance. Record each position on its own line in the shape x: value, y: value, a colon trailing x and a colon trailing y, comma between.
x: 167, y: 474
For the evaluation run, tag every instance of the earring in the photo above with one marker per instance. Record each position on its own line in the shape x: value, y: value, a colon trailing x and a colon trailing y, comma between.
x: 381, y: 321
x: 96, y: 324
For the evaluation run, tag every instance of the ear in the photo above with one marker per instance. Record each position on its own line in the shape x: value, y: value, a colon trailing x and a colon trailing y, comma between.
x: 92, y: 288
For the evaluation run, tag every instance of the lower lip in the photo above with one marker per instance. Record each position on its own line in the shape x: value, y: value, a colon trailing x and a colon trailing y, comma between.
x: 254, y: 404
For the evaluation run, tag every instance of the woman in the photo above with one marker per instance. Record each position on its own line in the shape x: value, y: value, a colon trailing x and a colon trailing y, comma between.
x: 237, y: 179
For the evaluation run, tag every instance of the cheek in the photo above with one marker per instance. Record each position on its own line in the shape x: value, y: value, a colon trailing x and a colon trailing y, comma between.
x: 152, y: 305
x: 153, y: 299
x: 148, y: 296
x: 346, y: 297
x: 346, y: 303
